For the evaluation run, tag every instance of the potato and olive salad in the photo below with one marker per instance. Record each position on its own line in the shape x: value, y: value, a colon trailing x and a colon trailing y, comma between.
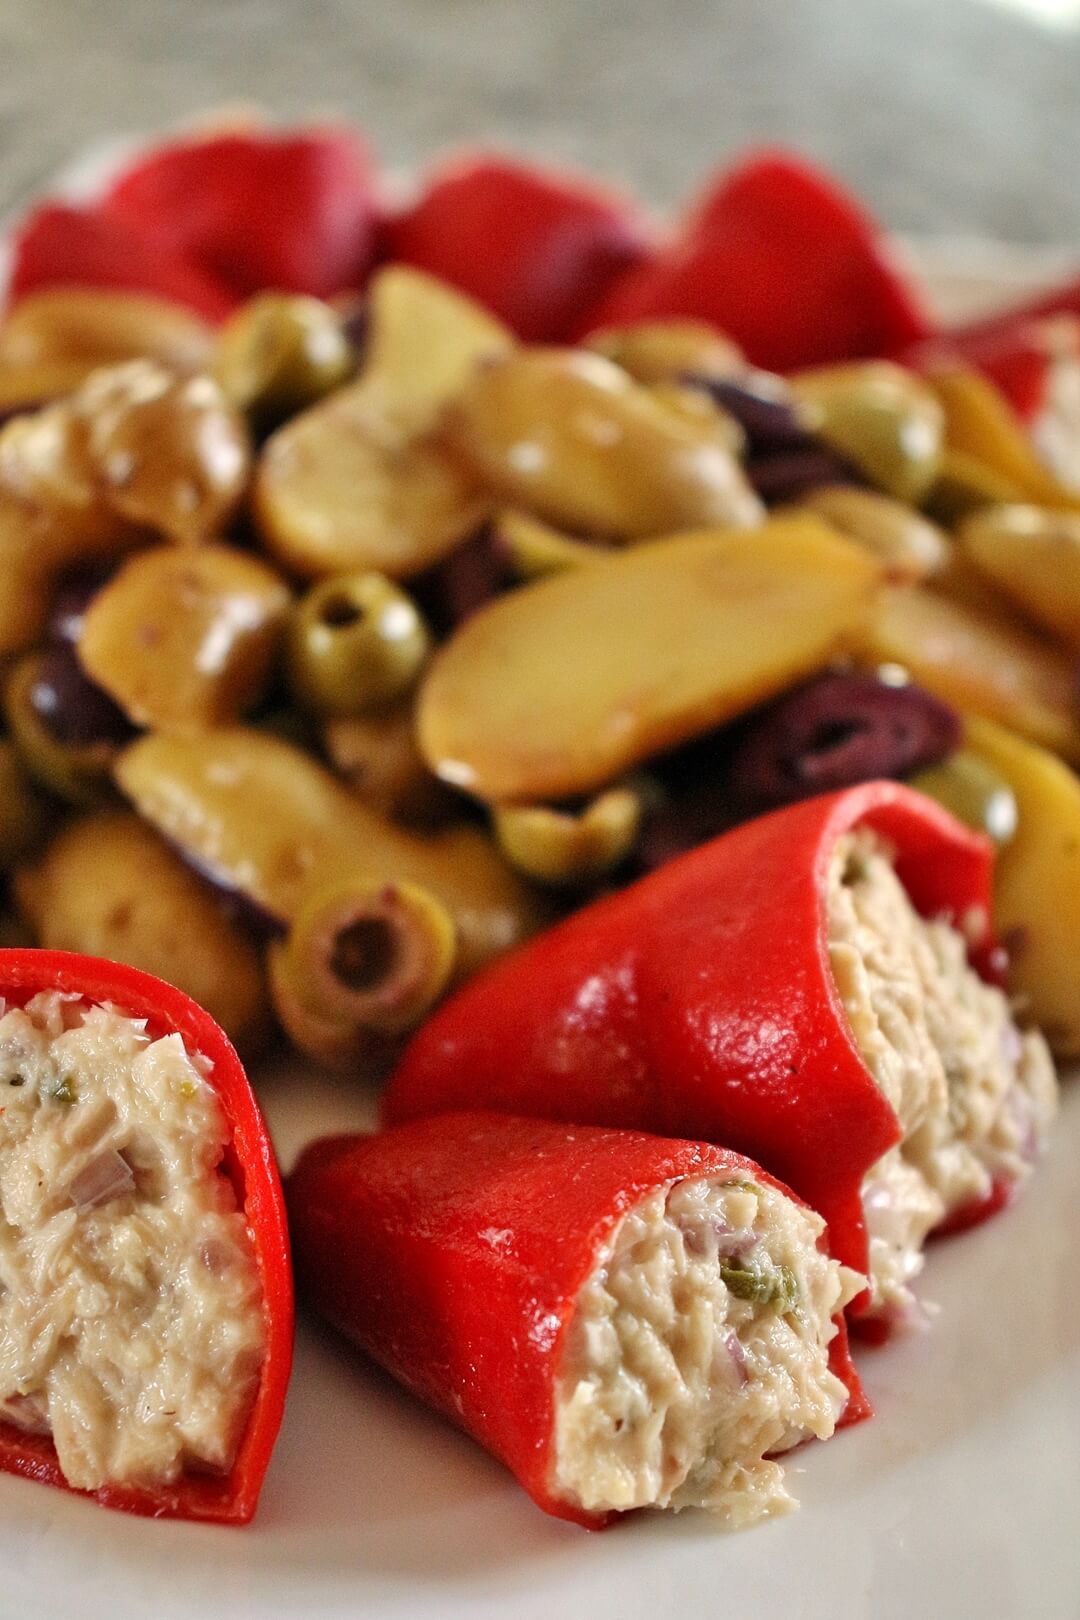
x: 346, y: 641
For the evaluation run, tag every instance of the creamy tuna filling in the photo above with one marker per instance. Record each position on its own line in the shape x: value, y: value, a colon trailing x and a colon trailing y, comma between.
x: 974, y: 1094
x: 698, y: 1346
x: 131, y: 1320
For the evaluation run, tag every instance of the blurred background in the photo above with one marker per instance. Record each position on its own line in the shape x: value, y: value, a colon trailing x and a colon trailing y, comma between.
x: 957, y: 116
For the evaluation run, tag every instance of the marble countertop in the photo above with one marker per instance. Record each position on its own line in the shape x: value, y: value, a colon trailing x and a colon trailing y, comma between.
x: 957, y: 116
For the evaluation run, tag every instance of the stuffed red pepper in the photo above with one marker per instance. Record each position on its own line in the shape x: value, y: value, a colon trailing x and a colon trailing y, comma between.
x: 146, y: 1309
x: 626, y: 1321
x: 801, y: 989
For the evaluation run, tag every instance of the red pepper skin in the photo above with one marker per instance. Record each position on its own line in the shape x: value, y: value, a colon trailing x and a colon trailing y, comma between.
x: 250, y: 1165
x: 699, y: 1002
x: 779, y: 257
x: 536, y: 247
x: 59, y: 246
x: 292, y: 212
x: 452, y: 1250
x: 1019, y: 358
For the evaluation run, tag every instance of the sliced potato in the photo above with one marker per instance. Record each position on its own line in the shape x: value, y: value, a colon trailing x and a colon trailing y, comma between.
x: 356, y: 482
x: 87, y: 327
x: 1037, y: 882
x: 567, y: 435
x: 184, y: 637
x: 981, y: 425
x: 565, y: 684
x: 264, y: 819
x: 977, y: 661
x: 1033, y: 554
x: 908, y: 545
x: 668, y: 350
x: 109, y: 886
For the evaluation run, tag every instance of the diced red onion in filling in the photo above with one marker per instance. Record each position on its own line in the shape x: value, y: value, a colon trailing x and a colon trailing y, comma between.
x: 106, y: 1177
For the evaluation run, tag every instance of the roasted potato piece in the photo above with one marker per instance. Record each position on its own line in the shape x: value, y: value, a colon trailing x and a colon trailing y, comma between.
x: 1032, y: 553
x: 670, y: 350
x: 880, y: 416
x: 86, y: 327
x: 984, y: 664
x: 907, y: 544
x: 562, y: 686
x: 378, y: 757
x: 982, y: 427
x: 35, y: 549
x: 264, y: 819
x: 185, y: 637
x: 357, y: 482
x: 279, y: 354
x: 1037, y: 882
x: 109, y: 886
x: 569, y: 436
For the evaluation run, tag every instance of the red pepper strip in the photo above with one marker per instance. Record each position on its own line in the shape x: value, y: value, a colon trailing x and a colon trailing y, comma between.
x: 1019, y: 360
x: 453, y: 1250
x: 538, y: 248
x: 58, y: 246
x: 250, y: 1166
x: 292, y: 212
x: 699, y: 1002
x: 783, y: 261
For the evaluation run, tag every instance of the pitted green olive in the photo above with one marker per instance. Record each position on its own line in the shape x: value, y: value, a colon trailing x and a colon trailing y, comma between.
x: 185, y: 637
x: 880, y: 416
x: 909, y: 545
x: 372, y: 956
x: 568, y: 847
x: 974, y: 792
x: 355, y: 642
x: 569, y: 436
x: 1032, y: 554
x: 279, y: 354
x: 24, y: 813
x: 668, y: 350
x: 534, y: 549
x: 108, y: 885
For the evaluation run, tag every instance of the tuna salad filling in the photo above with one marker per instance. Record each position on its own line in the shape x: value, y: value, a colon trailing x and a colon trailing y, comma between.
x: 698, y: 1348
x: 131, y: 1317
x: 974, y: 1094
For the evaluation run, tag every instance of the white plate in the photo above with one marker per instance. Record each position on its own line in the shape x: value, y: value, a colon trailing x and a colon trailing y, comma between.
x: 961, y: 1499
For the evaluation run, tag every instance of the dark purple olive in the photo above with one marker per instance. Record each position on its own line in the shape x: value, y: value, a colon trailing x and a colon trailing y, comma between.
x: 463, y: 582
x: 70, y: 707
x: 836, y: 730
x: 763, y: 407
x: 785, y: 475
x: 73, y: 596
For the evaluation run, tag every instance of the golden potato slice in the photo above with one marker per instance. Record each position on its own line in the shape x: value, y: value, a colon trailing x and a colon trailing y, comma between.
x: 1033, y: 554
x: 980, y: 425
x: 357, y: 482
x: 87, y: 327
x: 908, y: 545
x: 669, y: 349
x: 262, y: 818
x: 573, y: 439
x: 184, y: 637
x: 563, y: 685
x: 1037, y: 882
x: 107, y: 885
x: 977, y: 661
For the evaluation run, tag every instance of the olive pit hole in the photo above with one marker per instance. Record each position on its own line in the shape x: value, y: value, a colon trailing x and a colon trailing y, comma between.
x: 365, y: 954
x: 339, y: 612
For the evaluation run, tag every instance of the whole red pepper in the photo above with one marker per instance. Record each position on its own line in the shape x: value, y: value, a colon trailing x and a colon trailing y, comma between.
x: 250, y: 1166
x: 452, y: 1250
x: 699, y: 1002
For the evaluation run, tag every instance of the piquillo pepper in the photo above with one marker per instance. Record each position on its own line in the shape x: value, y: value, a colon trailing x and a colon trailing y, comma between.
x: 787, y: 991
x: 240, y: 1251
x: 506, y: 1269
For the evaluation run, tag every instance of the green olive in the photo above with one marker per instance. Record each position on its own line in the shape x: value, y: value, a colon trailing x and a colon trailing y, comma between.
x: 534, y: 549
x: 24, y: 814
x: 882, y: 417
x: 974, y: 792
x: 79, y: 773
x: 909, y: 545
x: 355, y: 642
x: 374, y: 956
x: 569, y: 846
x: 279, y: 354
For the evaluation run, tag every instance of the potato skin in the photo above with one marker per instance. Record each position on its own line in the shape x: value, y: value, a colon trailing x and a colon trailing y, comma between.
x: 108, y: 885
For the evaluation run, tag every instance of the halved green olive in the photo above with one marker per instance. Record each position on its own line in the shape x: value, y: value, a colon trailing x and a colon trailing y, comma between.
x: 355, y: 642
x: 279, y: 354
x: 974, y: 792
x: 885, y: 419
x: 567, y: 847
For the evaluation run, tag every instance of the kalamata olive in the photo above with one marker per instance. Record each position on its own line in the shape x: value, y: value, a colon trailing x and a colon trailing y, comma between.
x: 789, y: 475
x: 354, y: 642
x: 764, y: 408
x: 72, y: 708
x: 71, y: 598
x: 472, y: 575
x: 833, y: 731
x: 39, y: 692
